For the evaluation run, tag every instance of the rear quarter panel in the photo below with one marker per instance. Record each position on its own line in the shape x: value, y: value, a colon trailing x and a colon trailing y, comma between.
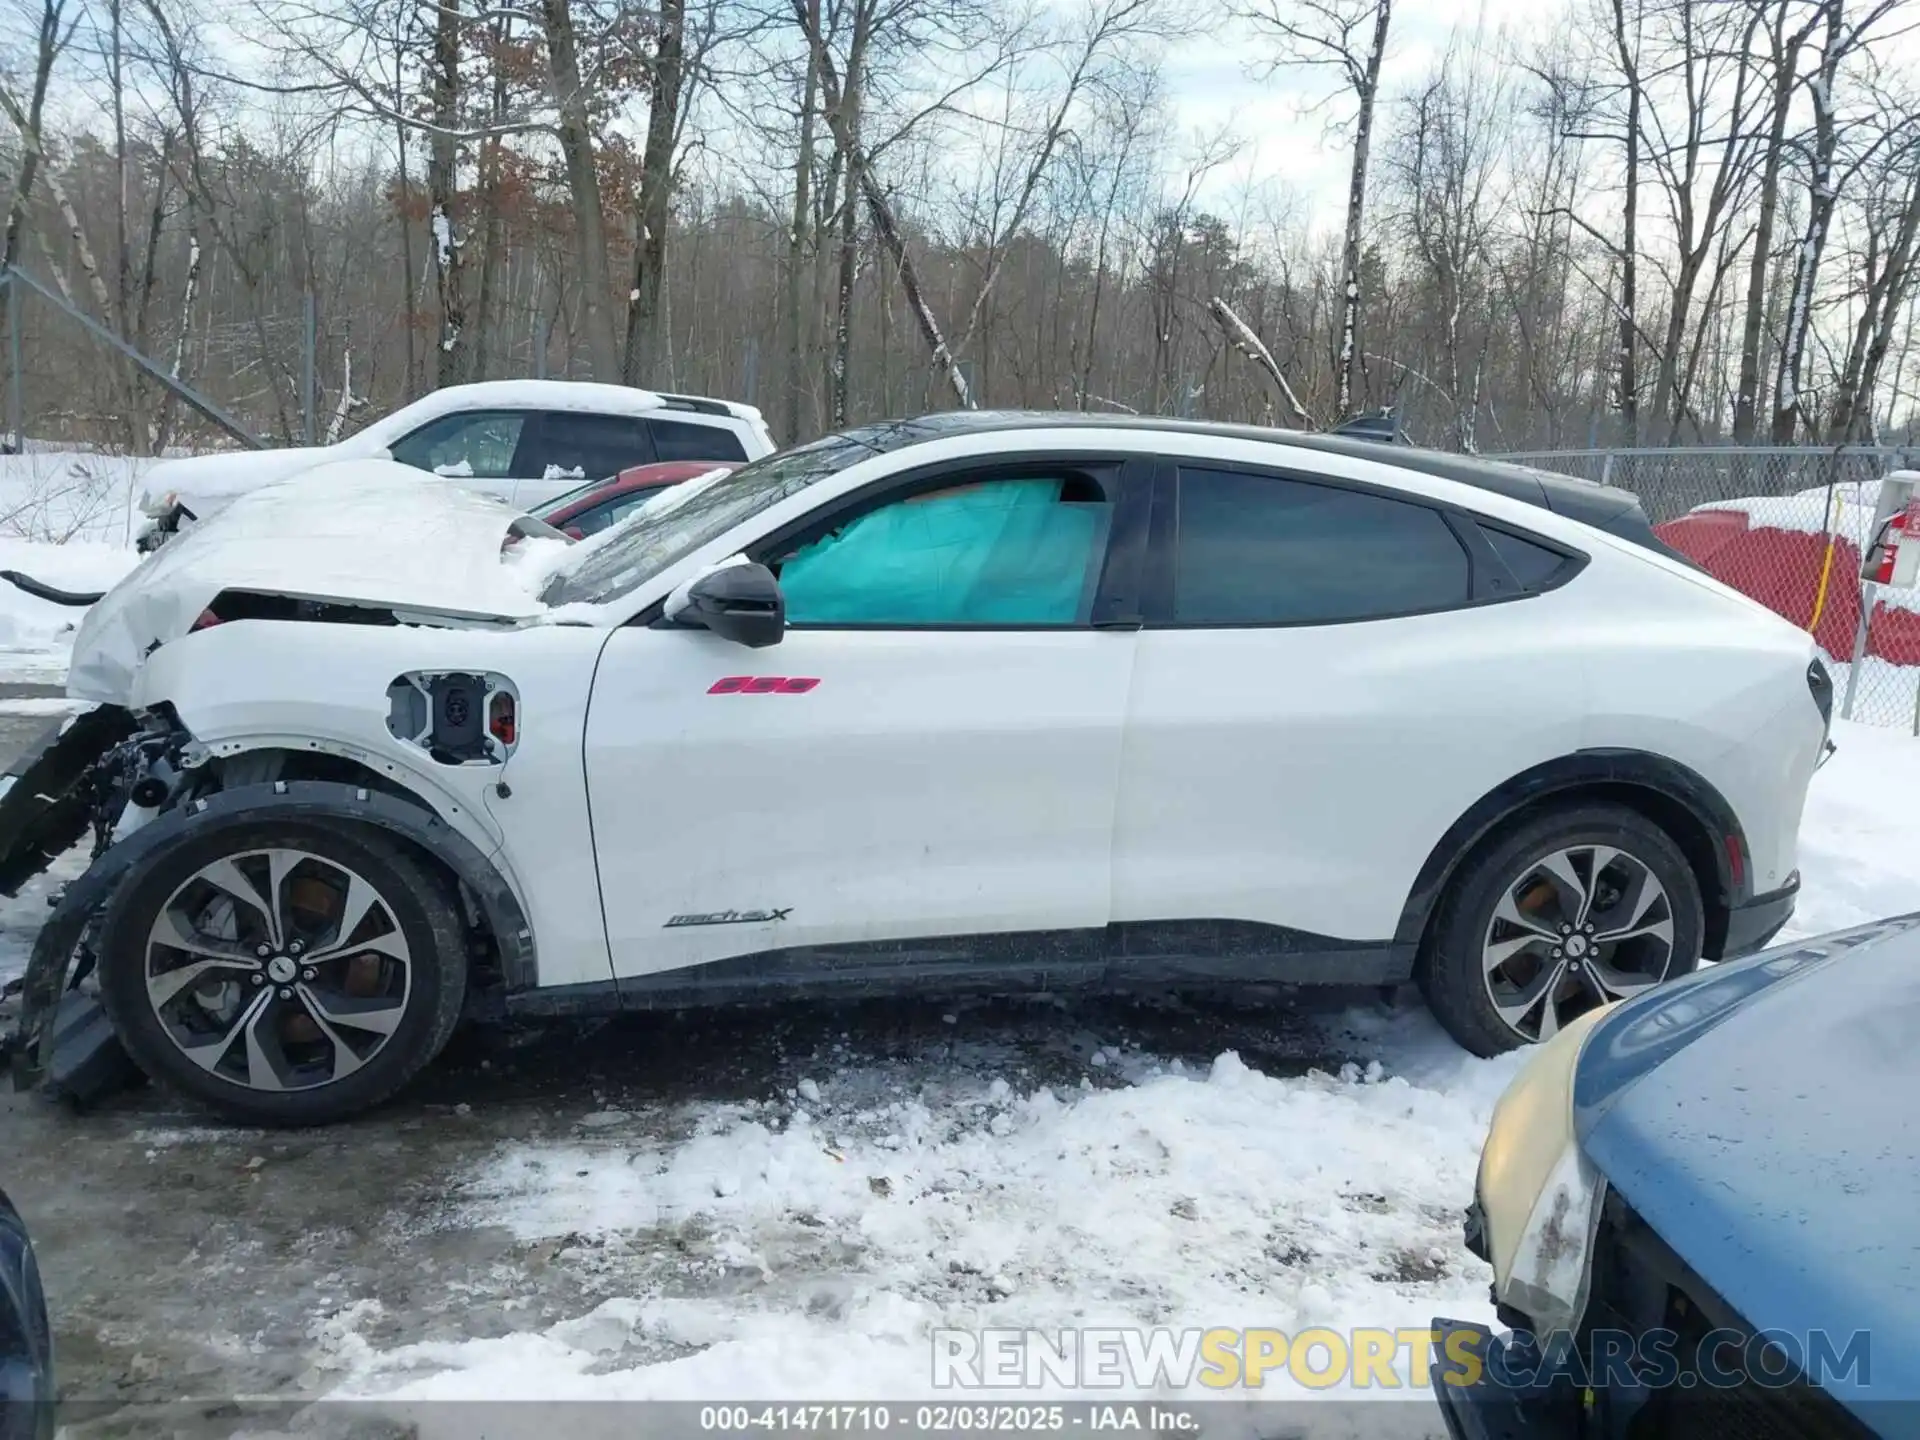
x: 1685, y: 668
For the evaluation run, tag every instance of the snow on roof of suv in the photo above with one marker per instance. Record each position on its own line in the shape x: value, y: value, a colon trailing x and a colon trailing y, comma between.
x: 523, y: 441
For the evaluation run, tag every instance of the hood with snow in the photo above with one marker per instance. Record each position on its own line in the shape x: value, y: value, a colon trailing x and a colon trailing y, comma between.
x: 203, y: 482
x: 358, y: 532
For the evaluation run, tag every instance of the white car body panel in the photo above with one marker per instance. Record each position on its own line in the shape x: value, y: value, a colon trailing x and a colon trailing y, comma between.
x: 931, y: 784
x: 1262, y: 765
x: 947, y: 782
x: 207, y: 484
x: 303, y: 696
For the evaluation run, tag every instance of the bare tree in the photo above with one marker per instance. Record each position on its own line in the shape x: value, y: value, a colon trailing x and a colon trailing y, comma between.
x: 1447, y: 157
x: 583, y: 185
x: 1892, y: 235
x: 666, y: 75
x: 1350, y: 37
x: 51, y: 36
x: 1785, y: 42
x: 448, y: 239
x: 1825, y: 178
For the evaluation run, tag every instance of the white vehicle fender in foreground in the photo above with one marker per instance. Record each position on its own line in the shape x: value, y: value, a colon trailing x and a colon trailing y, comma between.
x: 528, y: 815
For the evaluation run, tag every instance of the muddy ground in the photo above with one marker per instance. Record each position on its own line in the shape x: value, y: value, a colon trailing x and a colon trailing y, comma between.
x: 184, y: 1258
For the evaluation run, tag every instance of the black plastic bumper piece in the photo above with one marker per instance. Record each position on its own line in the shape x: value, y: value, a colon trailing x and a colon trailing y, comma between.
x: 1751, y: 924
x: 1488, y: 1408
x: 85, y: 1060
x: 1473, y: 1231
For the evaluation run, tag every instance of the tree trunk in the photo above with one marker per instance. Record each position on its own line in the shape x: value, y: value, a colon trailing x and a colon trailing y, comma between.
x: 409, y: 308
x: 797, y: 240
x: 846, y: 259
x: 1747, y: 391
x: 896, y: 248
x: 1627, y: 398
x: 1821, y: 194
x: 50, y: 44
x: 1367, y: 92
x: 641, y: 361
x: 583, y: 186
x: 480, y: 347
x: 443, y: 158
x: 189, y: 292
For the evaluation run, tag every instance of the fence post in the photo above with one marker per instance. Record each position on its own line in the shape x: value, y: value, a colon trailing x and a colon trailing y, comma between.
x: 14, y: 380
x: 1859, y: 649
x: 1606, y: 468
x: 308, y: 402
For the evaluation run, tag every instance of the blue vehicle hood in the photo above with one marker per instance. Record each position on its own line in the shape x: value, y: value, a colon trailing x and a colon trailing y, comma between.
x: 1761, y: 1118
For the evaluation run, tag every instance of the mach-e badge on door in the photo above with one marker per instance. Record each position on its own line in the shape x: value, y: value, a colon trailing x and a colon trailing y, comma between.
x: 728, y: 917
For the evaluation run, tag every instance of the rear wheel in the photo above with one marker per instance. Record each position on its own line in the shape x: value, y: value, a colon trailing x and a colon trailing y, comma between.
x: 1581, y: 906
x: 284, y: 974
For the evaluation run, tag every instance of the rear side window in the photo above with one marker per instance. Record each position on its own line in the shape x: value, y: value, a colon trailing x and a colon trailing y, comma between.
x: 577, y: 445
x: 1532, y: 565
x: 1256, y: 550
x: 679, y: 440
x: 472, y: 445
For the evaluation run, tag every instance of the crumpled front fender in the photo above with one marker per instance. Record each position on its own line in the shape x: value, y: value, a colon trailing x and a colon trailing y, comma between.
x: 65, y: 929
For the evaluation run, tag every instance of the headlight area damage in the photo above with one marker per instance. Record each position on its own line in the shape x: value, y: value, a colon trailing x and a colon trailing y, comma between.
x: 1536, y: 1210
x: 139, y: 784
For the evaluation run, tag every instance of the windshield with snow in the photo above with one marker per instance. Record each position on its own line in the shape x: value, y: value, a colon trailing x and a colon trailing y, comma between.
x: 681, y: 520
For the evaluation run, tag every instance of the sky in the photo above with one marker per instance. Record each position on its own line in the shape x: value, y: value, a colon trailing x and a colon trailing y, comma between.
x: 1216, y: 80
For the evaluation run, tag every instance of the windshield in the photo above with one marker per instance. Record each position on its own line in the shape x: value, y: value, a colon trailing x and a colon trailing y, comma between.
x: 679, y: 521
x: 567, y: 497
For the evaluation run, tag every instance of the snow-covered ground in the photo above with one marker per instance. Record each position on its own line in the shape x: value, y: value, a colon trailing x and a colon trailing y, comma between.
x: 877, y: 1201
x: 65, y: 519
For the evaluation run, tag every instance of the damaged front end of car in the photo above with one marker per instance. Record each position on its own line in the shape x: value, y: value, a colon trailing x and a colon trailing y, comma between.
x: 102, y: 774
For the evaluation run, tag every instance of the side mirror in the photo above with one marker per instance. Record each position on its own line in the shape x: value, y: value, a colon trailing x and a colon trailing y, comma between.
x: 740, y: 602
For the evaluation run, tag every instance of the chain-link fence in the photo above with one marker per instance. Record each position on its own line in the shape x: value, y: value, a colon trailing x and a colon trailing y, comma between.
x: 1788, y: 527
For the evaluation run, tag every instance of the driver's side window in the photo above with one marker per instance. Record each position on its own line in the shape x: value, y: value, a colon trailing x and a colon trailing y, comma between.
x: 1011, y: 549
x: 478, y: 445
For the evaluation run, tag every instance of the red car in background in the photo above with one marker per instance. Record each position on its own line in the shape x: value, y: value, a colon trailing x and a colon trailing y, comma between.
x: 600, y: 503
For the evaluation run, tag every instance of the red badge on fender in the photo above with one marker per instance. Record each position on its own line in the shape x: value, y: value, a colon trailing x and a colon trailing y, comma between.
x: 763, y: 685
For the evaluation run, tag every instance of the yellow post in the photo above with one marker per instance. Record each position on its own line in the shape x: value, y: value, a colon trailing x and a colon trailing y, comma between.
x: 1826, y: 565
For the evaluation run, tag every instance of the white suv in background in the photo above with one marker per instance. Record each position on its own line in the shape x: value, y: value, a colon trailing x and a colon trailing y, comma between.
x: 523, y: 441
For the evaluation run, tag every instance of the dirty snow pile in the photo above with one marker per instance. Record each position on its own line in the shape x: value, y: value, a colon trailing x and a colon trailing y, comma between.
x: 1853, y: 505
x: 1217, y: 1197
x: 845, y: 1221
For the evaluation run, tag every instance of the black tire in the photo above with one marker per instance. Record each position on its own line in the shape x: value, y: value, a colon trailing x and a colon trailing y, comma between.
x: 1451, y: 970
x: 421, y: 908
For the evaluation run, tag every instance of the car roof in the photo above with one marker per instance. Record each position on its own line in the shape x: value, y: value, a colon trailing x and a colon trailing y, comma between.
x: 1582, y: 500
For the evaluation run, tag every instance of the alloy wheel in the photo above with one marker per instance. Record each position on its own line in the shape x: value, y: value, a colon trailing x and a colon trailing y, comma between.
x: 1579, y: 927
x: 278, y: 969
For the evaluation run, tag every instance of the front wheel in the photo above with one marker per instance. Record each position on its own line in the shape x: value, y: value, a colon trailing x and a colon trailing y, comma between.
x: 284, y: 974
x: 1578, y: 907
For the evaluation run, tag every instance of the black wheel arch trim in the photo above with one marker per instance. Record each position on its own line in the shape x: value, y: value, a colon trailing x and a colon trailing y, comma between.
x: 1668, y: 780
x: 66, y: 925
